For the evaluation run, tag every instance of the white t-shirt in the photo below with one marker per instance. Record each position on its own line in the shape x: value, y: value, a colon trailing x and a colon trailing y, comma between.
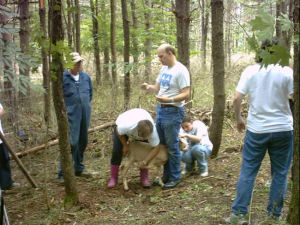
x: 268, y: 90
x: 199, y: 130
x: 172, y: 80
x: 127, y: 125
x: 1, y: 125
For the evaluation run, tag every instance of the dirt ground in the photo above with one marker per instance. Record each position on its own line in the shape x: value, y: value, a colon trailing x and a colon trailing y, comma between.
x: 198, y: 200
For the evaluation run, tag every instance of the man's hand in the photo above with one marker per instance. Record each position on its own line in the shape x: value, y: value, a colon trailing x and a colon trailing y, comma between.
x: 142, y: 165
x: 163, y: 99
x: 182, y: 135
x: 126, y: 150
x: 240, y: 125
x: 144, y: 86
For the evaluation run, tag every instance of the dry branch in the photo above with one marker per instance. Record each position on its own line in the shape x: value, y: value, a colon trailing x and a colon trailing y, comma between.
x: 54, y: 142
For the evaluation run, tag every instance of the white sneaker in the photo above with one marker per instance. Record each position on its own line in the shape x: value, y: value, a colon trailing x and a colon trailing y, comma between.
x: 204, y: 174
x: 185, y: 172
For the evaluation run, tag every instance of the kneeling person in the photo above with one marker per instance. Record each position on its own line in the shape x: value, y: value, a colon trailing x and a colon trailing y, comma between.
x: 200, y: 146
x: 133, y: 125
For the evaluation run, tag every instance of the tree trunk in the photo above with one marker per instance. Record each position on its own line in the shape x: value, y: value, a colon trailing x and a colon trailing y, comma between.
x: 182, y: 14
x: 204, y: 30
x: 217, y: 14
x: 46, y: 79
x: 293, y: 214
x: 24, y: 45
x: 148, y: 41
x: 105, y: 42
x: 69, y: 24
x: 94, y: 9
x: 126, y: 32
x: 9, y: 90
x: 57, y: 37
x: 113, y: 41
x: 134, y: 49
x: 77, y: 26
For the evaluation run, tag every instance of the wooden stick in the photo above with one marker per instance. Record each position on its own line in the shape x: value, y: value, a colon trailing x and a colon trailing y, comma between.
x: 54, y: 142
x: 19, y: 162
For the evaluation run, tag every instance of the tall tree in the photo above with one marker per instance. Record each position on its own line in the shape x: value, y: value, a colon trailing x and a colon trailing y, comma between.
x: 95, y: 32
x: 217, y: 15
x: 105, y: 40
x: 9, y: 90
x: 77, y: 26
x: 126, y: 50
x: 57, y: 37
x: 204, y: 31
x: 182, y: 14
x: 148, y: 41
x: 24, y: 43
x: 293, y: 214
x: 134, y: 49
x: 46, y: 78
x: 113, y: 41
x: 69, y: 23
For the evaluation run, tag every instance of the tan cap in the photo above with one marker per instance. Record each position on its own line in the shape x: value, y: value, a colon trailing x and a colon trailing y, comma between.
x: 76, y: 57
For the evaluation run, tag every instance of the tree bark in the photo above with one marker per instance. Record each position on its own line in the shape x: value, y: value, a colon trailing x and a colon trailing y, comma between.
x: 204, y: 31
x: 69, y: 24
x: 126, y: 70
x: 24, y: 45
x: 95, y: 32
x: 113, y: 41
x: 182, y: 14
x: 105, y: 42
x: 57, y: 37
x: 77, y: 26
x: 148, y: 41
x: 45, y: 66
x: 135, y: 48
x: 217, y: 15
x: 293, y: 214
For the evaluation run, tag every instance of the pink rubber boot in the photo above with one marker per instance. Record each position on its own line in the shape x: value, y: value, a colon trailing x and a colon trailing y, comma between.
x: 144, y: 178
x: 114, y: 171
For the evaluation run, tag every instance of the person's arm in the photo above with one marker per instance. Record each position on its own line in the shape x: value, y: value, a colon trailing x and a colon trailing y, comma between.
x: 151, y: 88
x: 184, y: 94
x: 193, y: 138
x: 1, y: 111
x: 154, y: 151
x: 237, y: 105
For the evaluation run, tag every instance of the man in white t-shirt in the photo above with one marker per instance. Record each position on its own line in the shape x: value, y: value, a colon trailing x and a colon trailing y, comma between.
x: 200, y: 146
x: 172, y: 88
x: 133, y: 125
x: 269, y: 128
x: 6, y: 181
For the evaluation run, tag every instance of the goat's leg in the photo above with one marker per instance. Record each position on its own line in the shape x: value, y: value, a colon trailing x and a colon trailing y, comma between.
x: 124, y: 173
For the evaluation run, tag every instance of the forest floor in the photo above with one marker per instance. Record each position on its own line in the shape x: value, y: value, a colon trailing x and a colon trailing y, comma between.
x: 197, y: 200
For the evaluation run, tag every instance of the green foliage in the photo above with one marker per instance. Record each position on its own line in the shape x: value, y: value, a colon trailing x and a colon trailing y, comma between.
x: 263, y: 27
x: 11, y: 55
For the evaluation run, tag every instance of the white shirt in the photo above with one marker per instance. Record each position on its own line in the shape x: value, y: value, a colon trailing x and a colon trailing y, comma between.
x: 172, y: 80
x: 200, y: 130
x: 1, y: 125
x: 268, y: 90
x: 127, y: 125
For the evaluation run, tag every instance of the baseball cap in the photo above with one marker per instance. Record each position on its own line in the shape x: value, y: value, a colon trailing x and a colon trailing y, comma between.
x: 76, y: 57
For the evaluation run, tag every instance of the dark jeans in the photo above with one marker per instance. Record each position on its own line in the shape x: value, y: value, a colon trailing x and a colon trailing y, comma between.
x: 5, y: 172
x: 117, y: 151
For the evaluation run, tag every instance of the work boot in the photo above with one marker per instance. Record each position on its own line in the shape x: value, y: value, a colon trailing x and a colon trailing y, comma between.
x: 114, y: 171
x: 144, y: 178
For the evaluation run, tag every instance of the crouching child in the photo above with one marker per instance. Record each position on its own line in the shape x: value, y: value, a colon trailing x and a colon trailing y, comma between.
x: 199, y: 145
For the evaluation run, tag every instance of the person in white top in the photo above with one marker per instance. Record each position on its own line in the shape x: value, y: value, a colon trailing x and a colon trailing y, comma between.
x: 269, y: 129
x: 200, y: 146
x: 133, y: 125
x: 172, y: 88
x: 6, y: 181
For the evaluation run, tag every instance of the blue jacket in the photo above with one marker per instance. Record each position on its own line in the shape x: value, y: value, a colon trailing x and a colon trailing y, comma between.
x: 77, y: 95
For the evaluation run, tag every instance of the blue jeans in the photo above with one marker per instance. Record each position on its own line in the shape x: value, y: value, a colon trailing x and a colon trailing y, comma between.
x: 280, y: 148
x: 168, y: 122
x: 199, y: 153
x: 5, y: 171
